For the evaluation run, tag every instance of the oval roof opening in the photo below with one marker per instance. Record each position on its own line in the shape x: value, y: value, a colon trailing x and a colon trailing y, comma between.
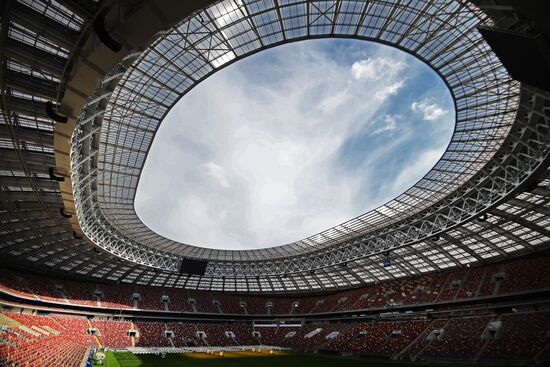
x: 292, y: 141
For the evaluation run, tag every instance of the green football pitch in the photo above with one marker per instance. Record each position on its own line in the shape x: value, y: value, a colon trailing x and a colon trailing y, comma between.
x: 244, y: 359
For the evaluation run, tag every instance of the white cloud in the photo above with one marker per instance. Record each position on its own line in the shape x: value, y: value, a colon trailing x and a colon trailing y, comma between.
x: 389, y: 123
x: 377, y: 68
x: 390, y: 90
x: 430, y: 111
x: 252, y: 156
x: 217, y: 173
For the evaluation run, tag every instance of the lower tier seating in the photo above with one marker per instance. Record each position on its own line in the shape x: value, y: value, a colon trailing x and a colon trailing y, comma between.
x: 60, y: 340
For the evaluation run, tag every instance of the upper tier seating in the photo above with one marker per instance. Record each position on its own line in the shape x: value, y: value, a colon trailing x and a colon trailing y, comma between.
x: 467, y: 283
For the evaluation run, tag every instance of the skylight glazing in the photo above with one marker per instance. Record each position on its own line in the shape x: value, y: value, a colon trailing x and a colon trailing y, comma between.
x: 443, y: 34
x: 282, y: 145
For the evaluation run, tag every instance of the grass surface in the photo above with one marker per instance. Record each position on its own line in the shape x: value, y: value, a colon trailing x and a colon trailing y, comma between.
x: 244, y: 359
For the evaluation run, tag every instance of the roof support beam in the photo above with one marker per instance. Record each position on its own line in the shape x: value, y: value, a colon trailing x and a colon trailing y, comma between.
x: 58, y: 245
x: 77, y: 255
x: 31, y: 85
x: 43, y: 26
x: 18, y: 198
x: 468, y: 232
x: 447, y: 237
x: 92, y: 270
x: 83, y: 8
x: 41, y: 183
x: 498, y: 229
x: 17, y: 167
x: 35, y: 205
x: 29, y: 135
x: 45, y: 232
x: 35, y: 58
x: 10, y: 155
x: 522, y: 221
x: 528, y: 206
x: 122, y: 276
x: 425, y: 258
x: 31, y: 223
x: 28, y: 215
x: 28, y: 107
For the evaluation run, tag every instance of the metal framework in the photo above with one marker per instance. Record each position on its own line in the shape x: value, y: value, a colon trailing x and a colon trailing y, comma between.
x: 471, y: 208
x: 124, y: 113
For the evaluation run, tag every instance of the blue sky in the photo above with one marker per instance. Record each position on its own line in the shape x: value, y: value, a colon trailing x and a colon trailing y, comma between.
x: 292, y: 141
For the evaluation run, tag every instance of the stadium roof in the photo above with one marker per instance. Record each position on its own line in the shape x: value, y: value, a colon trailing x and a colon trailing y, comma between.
x: 471, y: 207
